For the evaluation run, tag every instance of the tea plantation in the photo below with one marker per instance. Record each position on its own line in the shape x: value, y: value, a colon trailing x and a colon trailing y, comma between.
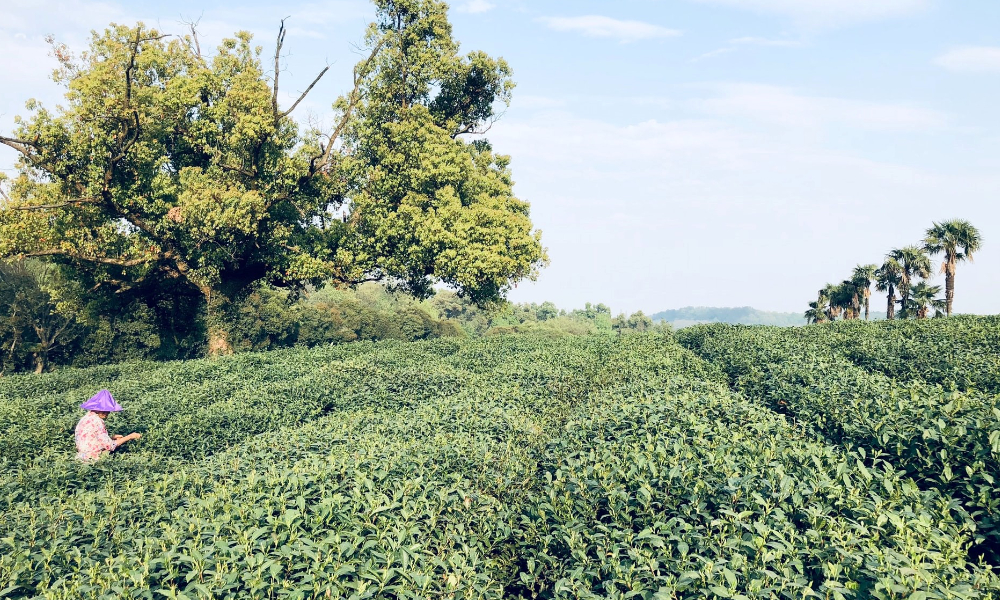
x: 857, y: 460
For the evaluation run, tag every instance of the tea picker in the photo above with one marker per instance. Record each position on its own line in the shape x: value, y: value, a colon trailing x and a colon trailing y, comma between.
x: 92, y: 438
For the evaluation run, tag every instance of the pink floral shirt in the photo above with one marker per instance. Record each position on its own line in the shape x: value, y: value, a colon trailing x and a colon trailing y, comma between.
x: 92, y: 437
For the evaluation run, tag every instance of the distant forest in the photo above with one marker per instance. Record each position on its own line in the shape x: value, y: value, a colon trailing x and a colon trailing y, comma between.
x: 746, y: 315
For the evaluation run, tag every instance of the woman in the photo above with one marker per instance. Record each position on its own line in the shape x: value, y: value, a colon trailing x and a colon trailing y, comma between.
x: 91, y: 435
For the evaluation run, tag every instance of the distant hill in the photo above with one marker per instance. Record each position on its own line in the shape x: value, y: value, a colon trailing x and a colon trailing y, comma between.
x: 692, y: 315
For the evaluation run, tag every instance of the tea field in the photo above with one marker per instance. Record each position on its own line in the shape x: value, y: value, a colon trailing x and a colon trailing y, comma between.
x: 857, y: 460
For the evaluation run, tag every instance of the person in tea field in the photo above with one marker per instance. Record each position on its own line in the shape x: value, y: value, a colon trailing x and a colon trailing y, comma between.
x: 92, y: 438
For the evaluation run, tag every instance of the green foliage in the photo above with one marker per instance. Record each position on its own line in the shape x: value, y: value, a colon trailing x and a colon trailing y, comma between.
x: 888, y: 390
x: 496, y: 467
x: 42, y: 316
x: 164, y: 164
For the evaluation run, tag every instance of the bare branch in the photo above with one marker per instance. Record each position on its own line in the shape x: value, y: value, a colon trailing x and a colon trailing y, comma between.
x: 305, y: 93
x: 103, y: 260
x: 353, y: 98
x: 66, y: 204
x: 277, y: 68
x: 22, y: 146
x: 193, y: 27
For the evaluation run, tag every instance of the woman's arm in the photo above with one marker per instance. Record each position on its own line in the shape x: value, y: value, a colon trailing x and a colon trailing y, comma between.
x: 119, y: 440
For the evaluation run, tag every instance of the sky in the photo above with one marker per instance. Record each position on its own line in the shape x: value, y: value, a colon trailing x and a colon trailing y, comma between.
x: 674, y: 152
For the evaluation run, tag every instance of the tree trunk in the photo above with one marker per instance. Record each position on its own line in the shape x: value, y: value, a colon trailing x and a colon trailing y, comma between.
x: 904, y: 295
x: 949, y: 284
x: 40, y: 363
x: 868, y: 302
x: 890, y: 309
x: 218, y: 340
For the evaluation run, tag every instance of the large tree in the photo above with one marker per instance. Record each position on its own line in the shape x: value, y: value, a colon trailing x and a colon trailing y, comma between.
x: 957, y: 240
x: 888, y: 278
x: 914, y: 262
x: 167, y: 163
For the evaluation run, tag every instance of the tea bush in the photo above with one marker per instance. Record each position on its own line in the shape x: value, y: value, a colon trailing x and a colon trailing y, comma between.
x: 504, y: 467
x: 943, y: 438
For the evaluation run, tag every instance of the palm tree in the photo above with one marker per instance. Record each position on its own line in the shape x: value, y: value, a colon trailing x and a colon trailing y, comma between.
x: 845, y: 298
x: 957, y: 239
x: 862, y: 279
x: 915, y: 263
x: 923, y: 297
x: 817, y: 312
x: 887, y: 279
x: 833, y: 308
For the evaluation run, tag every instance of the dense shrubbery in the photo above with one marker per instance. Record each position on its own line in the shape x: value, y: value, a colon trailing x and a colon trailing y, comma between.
x: 46, y: 320
x: 944, y: 438
x: 499, y: 467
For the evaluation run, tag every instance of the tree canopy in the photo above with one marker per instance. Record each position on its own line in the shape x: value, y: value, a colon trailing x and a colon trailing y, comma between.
x: 168, y: 164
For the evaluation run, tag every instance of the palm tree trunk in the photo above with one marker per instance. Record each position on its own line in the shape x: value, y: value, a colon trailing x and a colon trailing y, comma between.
x: 890, y: 309
x: 904, y: 295
x: 867, y: 305
x: 949, y: 284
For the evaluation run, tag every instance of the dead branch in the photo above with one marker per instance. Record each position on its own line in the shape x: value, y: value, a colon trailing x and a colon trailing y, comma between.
x: 305, y: 93
x: 103, y: 260
x: 353, y: 98
x: 193, y: 27
x: 277, y: 69
x: 65, y: 204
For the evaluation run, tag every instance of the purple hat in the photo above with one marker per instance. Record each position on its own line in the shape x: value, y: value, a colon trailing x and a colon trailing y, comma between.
x: 102, y: 402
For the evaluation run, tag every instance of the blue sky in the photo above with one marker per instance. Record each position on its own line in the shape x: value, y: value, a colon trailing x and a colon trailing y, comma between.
x: 675, y: 152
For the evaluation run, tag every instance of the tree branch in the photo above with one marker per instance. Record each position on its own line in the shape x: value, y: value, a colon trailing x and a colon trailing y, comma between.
x: 277, y: 69
x: 18, y: 144
x: 193, y: 26
x: 353, y: 98
x: 304, y: 94
x: 103, y: 260
x: 65, y: 204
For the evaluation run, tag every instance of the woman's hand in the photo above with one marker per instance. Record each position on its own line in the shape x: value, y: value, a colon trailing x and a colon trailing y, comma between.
x: 132, y: 436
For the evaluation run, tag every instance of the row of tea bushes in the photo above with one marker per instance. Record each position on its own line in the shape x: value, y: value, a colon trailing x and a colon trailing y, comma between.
x: 483, y: 469
x: 944, y: 440
x: 695, y: 496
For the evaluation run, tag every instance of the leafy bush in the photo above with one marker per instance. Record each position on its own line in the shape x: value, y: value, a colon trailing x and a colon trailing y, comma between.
x: 944, y: 439
x: 498, y: 467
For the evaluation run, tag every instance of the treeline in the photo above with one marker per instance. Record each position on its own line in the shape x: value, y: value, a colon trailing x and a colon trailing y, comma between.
x: 956, y: 241
x: 48, y: 319
x: 744, y: 315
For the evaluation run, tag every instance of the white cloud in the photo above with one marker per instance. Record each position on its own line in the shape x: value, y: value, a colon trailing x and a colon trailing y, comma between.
x: 720, y: 206
x: 600, y: 26
x: 830, y: 12
x: 537, y: 102
x: 54, y: 15
x: 757, y: 41
x: 747, y: 41
x: 712, y: 54
x: 976, y: 59
x: 476, y: 6
x: 784, y: 107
